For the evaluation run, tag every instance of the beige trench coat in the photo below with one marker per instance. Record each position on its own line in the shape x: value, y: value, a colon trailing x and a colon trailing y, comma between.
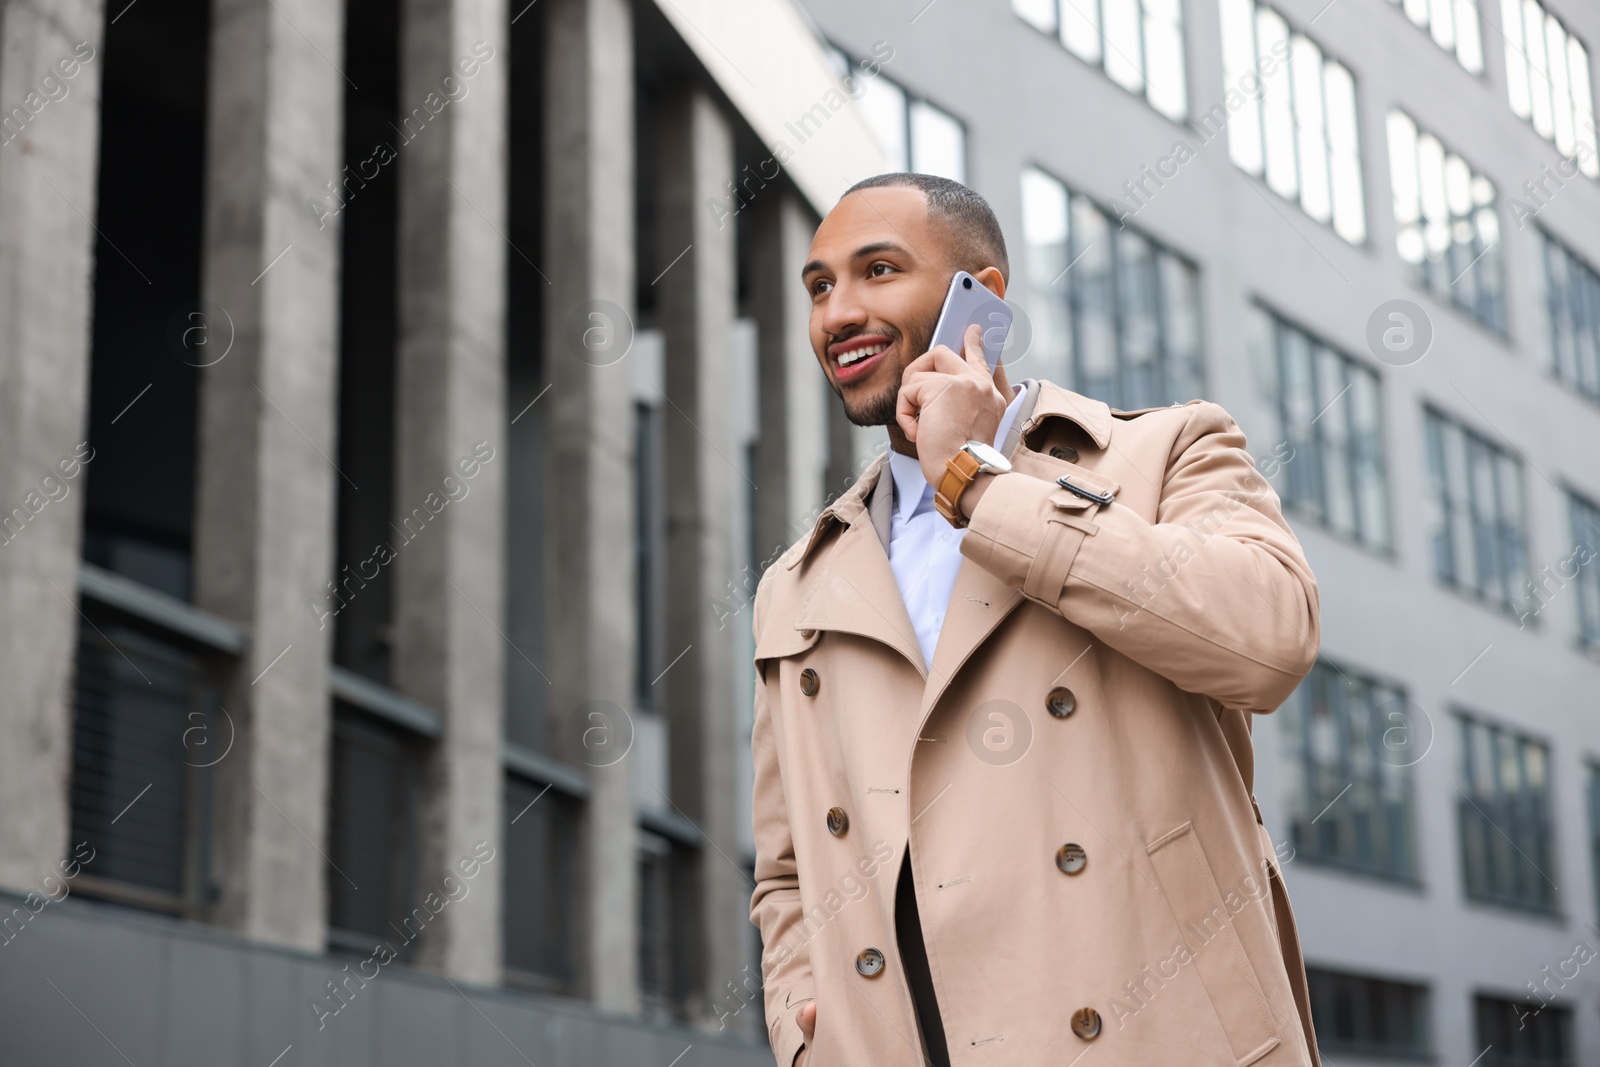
x: 1073, y: 774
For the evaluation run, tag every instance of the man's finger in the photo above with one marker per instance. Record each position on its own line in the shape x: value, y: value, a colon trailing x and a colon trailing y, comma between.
x: 973, y: 349
x: 908, y: 406
x: 807, y: 1018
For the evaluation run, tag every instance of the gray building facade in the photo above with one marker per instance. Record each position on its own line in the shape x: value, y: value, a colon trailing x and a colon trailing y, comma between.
x: 1371, y: 231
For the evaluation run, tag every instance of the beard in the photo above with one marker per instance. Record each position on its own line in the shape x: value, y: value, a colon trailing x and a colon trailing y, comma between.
x: 878, y: 409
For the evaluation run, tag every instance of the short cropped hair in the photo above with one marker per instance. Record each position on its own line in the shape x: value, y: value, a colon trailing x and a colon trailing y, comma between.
x: 975, y: 237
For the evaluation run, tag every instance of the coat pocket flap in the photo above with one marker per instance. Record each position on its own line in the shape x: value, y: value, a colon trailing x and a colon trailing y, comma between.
x: 1206, y: 925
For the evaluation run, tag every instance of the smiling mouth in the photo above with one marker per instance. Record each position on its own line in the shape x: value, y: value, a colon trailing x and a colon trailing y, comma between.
x: 857, y: 355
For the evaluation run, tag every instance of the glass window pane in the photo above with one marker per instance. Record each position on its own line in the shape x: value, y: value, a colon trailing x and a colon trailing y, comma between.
x: 1124, y: 60
x: 1332, y: 423
x: 1442, y: 24
x: 1583, y: 108
x: 1092, y: 289
x: 1180, y: 304
x: 1516, y: 59
x: 1163, y: 58
x: 1044, y: 227
x: 938, y: 142
x: 1039, y: 13
x: 1080, y: 28
x: 1367, y: 429
x: 1272, y: 36
x: 1334, y: 724
x: 1469, y: 40
x: 1407, y: 187
x: 883, y: 106
x: 1538, y: 66
x: 1140, y: 328
x: 1238, y: 61
x: 1311, y: 136
x: 1561, y: 94
x: 1349, y: 201
x: 1456, y: 250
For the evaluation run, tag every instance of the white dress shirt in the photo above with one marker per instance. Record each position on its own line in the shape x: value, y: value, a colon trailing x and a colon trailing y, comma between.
x: 924, y: 549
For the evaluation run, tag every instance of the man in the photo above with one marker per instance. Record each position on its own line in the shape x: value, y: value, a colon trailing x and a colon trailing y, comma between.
x: 1003, y: 770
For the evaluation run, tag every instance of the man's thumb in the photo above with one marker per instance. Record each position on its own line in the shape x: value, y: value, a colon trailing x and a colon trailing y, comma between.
x: 807, y: 1018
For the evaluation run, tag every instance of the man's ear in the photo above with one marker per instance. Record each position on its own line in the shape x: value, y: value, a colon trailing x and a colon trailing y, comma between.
x: 992, y: 280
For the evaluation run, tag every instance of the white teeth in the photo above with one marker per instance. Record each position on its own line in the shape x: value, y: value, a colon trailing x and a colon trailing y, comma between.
x: 860, y: 354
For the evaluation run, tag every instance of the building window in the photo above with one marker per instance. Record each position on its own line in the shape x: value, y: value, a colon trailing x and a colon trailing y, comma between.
x: 917, y: 135
x: 1547, y: 78
x: 660, y: 873
x: 1572, y: 298
x: 1299, y: 131
x: 1329, y: 414
x: 1447, y: 227
x: 1349, y: 741
x: 372, y: 834
x: 1507, y: 846
x: 1480, y: 539
x: 1585, y: 560
x: 1453, y: 24
x: 1361, y: 1016
x: 542, y: 843
x: 1115, y: 314
x: 144, y: 709
x: 1522, y: 1034
x: 1138, y: 43
x: 1594, y: 829
x: 649, y: 550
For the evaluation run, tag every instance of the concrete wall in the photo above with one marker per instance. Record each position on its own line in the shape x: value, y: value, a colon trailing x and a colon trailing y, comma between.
x: 84, y: 983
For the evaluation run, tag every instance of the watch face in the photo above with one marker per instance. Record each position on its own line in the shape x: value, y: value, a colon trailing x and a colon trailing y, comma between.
x: 988, y: 455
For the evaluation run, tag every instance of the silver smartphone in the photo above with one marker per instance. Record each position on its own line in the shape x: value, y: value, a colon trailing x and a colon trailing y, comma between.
x: 969, y: 301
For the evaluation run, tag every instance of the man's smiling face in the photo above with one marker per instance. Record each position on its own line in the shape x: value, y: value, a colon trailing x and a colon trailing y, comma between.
x: 875, y: 295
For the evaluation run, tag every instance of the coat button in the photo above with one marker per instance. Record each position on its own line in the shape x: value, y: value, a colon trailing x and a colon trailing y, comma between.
x: 869, y: 962
x: 1061, y: 702
x: 1086, y: 1023
x: 1071, y: 857
x: 808, y: 682
x: 838, y: 822
x: 1064, y: 452
x: 807, y: 633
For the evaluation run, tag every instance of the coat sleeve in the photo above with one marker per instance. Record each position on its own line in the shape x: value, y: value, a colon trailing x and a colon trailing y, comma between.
x: 775, y: 906
x: 1215, y: 595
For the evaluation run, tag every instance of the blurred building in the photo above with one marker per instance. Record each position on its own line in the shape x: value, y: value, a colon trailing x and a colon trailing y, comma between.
x: 379, y: 394
x: 1371, y: 230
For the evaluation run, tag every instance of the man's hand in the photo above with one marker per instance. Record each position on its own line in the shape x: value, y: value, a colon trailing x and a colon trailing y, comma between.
x: 947, y: 400
x: 807, y: 1018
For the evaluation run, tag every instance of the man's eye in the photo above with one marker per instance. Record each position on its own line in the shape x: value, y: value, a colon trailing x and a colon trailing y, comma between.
x: 873, y: 270
x: 820, y: 287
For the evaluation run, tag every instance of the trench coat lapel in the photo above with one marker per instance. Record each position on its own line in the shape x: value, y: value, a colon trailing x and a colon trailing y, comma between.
x: 853, y: 587
x: 855, y: 591
x: 979, y: 602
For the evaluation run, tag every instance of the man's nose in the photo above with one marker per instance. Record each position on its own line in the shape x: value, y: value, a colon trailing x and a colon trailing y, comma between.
x: 843, y: 314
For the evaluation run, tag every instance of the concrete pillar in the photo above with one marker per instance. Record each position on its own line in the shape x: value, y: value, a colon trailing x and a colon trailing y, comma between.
x: 697, y: 307
x: 792, y: 451
x: 589, y: 258
x: 264, y: 522
x: 49, y: 156
x: 450, y: 438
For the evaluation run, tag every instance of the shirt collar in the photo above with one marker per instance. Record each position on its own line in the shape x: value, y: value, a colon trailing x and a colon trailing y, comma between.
x: 911, y: 486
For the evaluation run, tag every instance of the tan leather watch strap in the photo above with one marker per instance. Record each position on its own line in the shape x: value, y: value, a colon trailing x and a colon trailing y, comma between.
x: 959, y: 472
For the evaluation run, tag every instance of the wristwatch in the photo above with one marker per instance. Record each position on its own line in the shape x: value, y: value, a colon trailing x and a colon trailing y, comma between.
x: 960, y: 472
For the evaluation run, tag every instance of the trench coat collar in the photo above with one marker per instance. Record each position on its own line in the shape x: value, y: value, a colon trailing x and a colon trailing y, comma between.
x: 853, y: 588
x: 1044, y: 399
